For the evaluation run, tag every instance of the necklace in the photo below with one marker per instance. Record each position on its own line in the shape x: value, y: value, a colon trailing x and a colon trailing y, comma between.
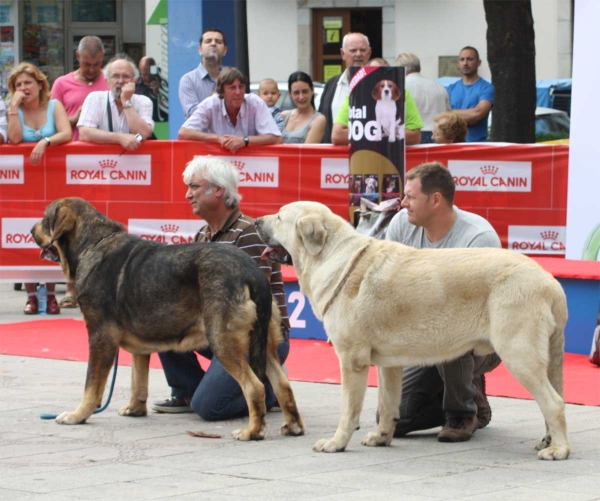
x: 82, y: 79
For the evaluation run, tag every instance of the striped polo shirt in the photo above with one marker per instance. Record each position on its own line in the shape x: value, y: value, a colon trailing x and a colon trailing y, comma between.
x: 240, y: 231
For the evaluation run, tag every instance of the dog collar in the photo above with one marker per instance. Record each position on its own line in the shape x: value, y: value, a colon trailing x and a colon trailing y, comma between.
x: 345, y: 279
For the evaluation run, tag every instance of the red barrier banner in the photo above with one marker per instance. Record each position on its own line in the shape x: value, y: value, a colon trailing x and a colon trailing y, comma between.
x: 520, y: 189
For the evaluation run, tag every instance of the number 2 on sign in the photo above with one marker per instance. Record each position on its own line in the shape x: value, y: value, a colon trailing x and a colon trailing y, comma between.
x: 298, y: 297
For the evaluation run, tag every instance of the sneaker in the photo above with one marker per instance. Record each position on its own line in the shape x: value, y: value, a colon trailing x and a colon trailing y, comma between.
x: 173, y: 405
x: 458, y: 429
x: 484, y: 411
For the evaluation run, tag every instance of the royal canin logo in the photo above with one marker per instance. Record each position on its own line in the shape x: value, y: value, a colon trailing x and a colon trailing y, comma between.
x: 16, y: 233
x: 549, y: 235
x: 537, y: 240
x: 335, y: 173
x: 238, y: 165
x: 489, y: 169
x: 180, y: 231
x: 109, y: 170
x: 11, y: 169
x: 108, y: 164
x: 491, y: 175
x: 260, y: 172
x: 169, y: 228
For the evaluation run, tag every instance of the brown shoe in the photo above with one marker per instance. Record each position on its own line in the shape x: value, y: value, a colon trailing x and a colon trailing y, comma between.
x: 484, y: 411
x: 31, y: 307
x: 458, y: 429
x: 52, y: 307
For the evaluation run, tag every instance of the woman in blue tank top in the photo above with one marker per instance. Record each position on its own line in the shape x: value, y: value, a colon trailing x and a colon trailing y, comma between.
x: 34, y: 118
x: 303, y: 124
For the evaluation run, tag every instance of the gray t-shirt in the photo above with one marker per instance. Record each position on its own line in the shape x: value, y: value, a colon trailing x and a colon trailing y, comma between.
x: 469, y: 230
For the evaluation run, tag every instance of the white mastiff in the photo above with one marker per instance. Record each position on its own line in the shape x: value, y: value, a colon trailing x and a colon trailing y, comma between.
x: 389, y: 305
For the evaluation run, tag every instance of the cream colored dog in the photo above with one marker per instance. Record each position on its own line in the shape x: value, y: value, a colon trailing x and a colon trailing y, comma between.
x: 389, y: 305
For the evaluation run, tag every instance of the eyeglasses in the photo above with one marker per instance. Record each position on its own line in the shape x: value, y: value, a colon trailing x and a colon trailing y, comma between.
x: 121, y: 76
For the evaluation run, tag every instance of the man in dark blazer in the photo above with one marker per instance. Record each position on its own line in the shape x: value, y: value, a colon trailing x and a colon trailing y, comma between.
x: 355, y: 51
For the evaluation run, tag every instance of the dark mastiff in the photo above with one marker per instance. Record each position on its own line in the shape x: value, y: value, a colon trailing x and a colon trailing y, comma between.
x: 148, y: 297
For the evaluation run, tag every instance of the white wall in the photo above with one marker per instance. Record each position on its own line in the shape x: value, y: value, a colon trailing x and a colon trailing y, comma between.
x: 432, y: 28
x: 272, y: 38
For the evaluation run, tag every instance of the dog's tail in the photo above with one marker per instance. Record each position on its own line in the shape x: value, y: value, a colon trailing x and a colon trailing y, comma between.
x: 260, y: 330
x: 557, y: 340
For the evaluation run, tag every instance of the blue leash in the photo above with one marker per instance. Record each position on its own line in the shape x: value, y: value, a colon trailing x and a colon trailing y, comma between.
x: 110, y: 392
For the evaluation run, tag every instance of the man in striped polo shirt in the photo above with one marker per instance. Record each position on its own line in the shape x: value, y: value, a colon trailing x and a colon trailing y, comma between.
x: 214, y: 395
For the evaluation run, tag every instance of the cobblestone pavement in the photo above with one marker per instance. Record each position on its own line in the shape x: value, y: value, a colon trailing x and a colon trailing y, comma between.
x: 118, y: 458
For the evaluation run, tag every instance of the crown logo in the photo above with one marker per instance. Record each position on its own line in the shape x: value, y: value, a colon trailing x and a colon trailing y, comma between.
x: 489, y: 169
x: 169, y: 228
x: 238, y: 164
x: 549, y: 235
x: 108, y: 164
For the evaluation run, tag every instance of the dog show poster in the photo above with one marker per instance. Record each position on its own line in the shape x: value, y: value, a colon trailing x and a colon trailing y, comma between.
x: 376, y: 134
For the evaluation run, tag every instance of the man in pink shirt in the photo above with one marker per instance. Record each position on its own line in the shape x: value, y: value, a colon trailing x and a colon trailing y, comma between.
x: 72, y: 89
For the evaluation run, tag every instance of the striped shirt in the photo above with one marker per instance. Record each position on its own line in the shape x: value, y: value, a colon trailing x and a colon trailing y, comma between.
x: 194, y: 87
x: 94, y: 113
x: 240, y: 231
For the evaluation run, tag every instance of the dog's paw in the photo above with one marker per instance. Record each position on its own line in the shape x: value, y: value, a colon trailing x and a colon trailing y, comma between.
x: 374, y: 439
x: 327, y: 445
x: 551, y: 453
x: 69, y: 418
x: 543, y: 443
x: 130, y: 411
x: 292, y: 429
x: 244, y: 434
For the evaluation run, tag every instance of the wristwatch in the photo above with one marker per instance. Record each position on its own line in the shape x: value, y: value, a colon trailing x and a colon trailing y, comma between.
x: 246, y: 140
x: 127, y: 104
x: 47, y: 139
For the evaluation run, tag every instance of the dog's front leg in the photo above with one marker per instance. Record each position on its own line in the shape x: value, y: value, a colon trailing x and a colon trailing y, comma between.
x: 354, y: 385
x: 102, y: 355
x: 392, y: 138
x: 390, y: 392
x: 139, y: 387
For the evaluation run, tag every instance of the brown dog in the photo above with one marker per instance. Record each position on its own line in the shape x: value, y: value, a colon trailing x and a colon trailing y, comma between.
x: 147, y: 297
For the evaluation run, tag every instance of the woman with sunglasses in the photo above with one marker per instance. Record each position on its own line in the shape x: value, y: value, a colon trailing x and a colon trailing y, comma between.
x: 34, y: 118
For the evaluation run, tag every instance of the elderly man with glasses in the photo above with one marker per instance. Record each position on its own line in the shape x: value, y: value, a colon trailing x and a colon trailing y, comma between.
x: 118, y: 115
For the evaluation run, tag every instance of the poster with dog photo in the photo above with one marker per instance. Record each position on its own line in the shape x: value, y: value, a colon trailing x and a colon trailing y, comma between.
x: 391, y: 186
x: 376, y: 128
x: 356, y: 189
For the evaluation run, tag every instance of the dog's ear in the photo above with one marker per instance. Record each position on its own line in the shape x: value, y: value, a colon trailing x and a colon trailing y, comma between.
x: 395, y: 92
x: 312, y: 233
x: 377, y: 91
x: 64, y: 221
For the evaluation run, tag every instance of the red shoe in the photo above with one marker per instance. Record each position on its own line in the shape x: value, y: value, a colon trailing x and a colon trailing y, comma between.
x: 31, y: 307
x: 52, y: 308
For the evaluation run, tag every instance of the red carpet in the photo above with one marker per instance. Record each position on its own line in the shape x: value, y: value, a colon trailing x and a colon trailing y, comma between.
x: 312, y: 361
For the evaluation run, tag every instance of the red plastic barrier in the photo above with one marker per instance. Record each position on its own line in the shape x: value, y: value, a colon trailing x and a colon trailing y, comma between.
x: 520, y: 189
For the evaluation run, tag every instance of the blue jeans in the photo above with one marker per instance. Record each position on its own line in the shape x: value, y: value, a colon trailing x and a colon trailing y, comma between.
x: 214, y: 395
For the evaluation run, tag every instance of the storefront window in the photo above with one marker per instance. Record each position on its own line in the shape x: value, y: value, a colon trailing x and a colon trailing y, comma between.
x: 44, y: 36
x: 88, y: 11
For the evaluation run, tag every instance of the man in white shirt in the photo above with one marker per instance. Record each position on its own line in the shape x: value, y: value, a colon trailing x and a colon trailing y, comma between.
x: 231, y: 117
x: 431, y: 96
x: 196, y: 85
x: 355, y: 51
x: 116, y: 116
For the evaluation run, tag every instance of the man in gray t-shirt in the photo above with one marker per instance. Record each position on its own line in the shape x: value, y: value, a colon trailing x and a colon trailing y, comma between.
x: 450, y: 394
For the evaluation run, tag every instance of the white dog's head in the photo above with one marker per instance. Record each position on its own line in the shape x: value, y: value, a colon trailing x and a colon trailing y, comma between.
x: 386, y: 90
x: 299, y: 231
